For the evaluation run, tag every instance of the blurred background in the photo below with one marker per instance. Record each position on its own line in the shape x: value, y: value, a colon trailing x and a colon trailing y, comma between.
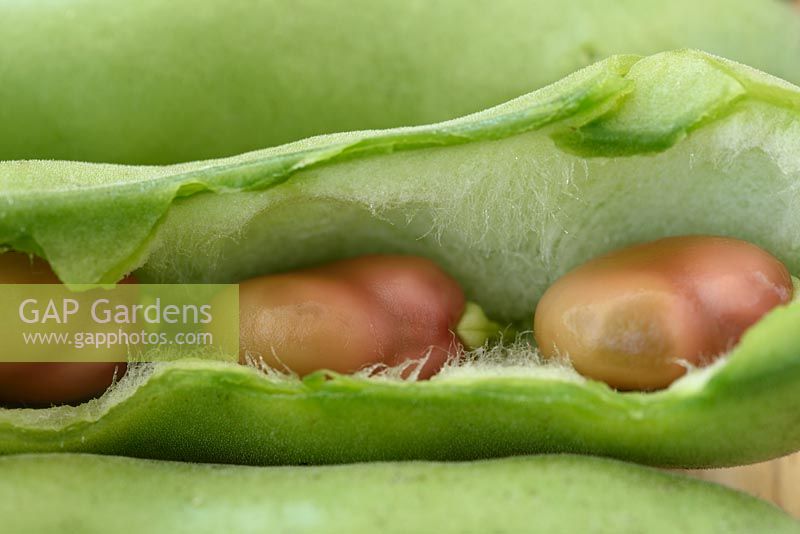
x: 777, y: 480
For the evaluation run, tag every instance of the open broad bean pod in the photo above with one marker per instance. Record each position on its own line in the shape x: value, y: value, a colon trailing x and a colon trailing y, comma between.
x: 129, y: 145
x: 629, y: 149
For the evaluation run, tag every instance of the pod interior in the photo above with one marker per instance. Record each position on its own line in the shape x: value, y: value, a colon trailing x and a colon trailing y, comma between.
x: 506, y: 200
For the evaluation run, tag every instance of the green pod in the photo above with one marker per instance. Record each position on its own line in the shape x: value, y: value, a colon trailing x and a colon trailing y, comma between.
x: 550, y: 494
x: 506, y: 200
x: 153, y: 82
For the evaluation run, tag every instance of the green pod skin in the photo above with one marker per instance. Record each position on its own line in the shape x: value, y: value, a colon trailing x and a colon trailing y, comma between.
x: 153, y: 82
x: 547, y: 494
x: 628, y: 150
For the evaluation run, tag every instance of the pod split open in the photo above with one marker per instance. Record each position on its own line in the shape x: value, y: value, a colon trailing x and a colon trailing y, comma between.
x: 629, y: 149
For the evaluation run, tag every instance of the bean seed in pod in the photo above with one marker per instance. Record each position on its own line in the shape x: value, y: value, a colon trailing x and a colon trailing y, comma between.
x: 343, y: 316
x: 45, y: 383
x: 637, y: 318
x: 350, y: 314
